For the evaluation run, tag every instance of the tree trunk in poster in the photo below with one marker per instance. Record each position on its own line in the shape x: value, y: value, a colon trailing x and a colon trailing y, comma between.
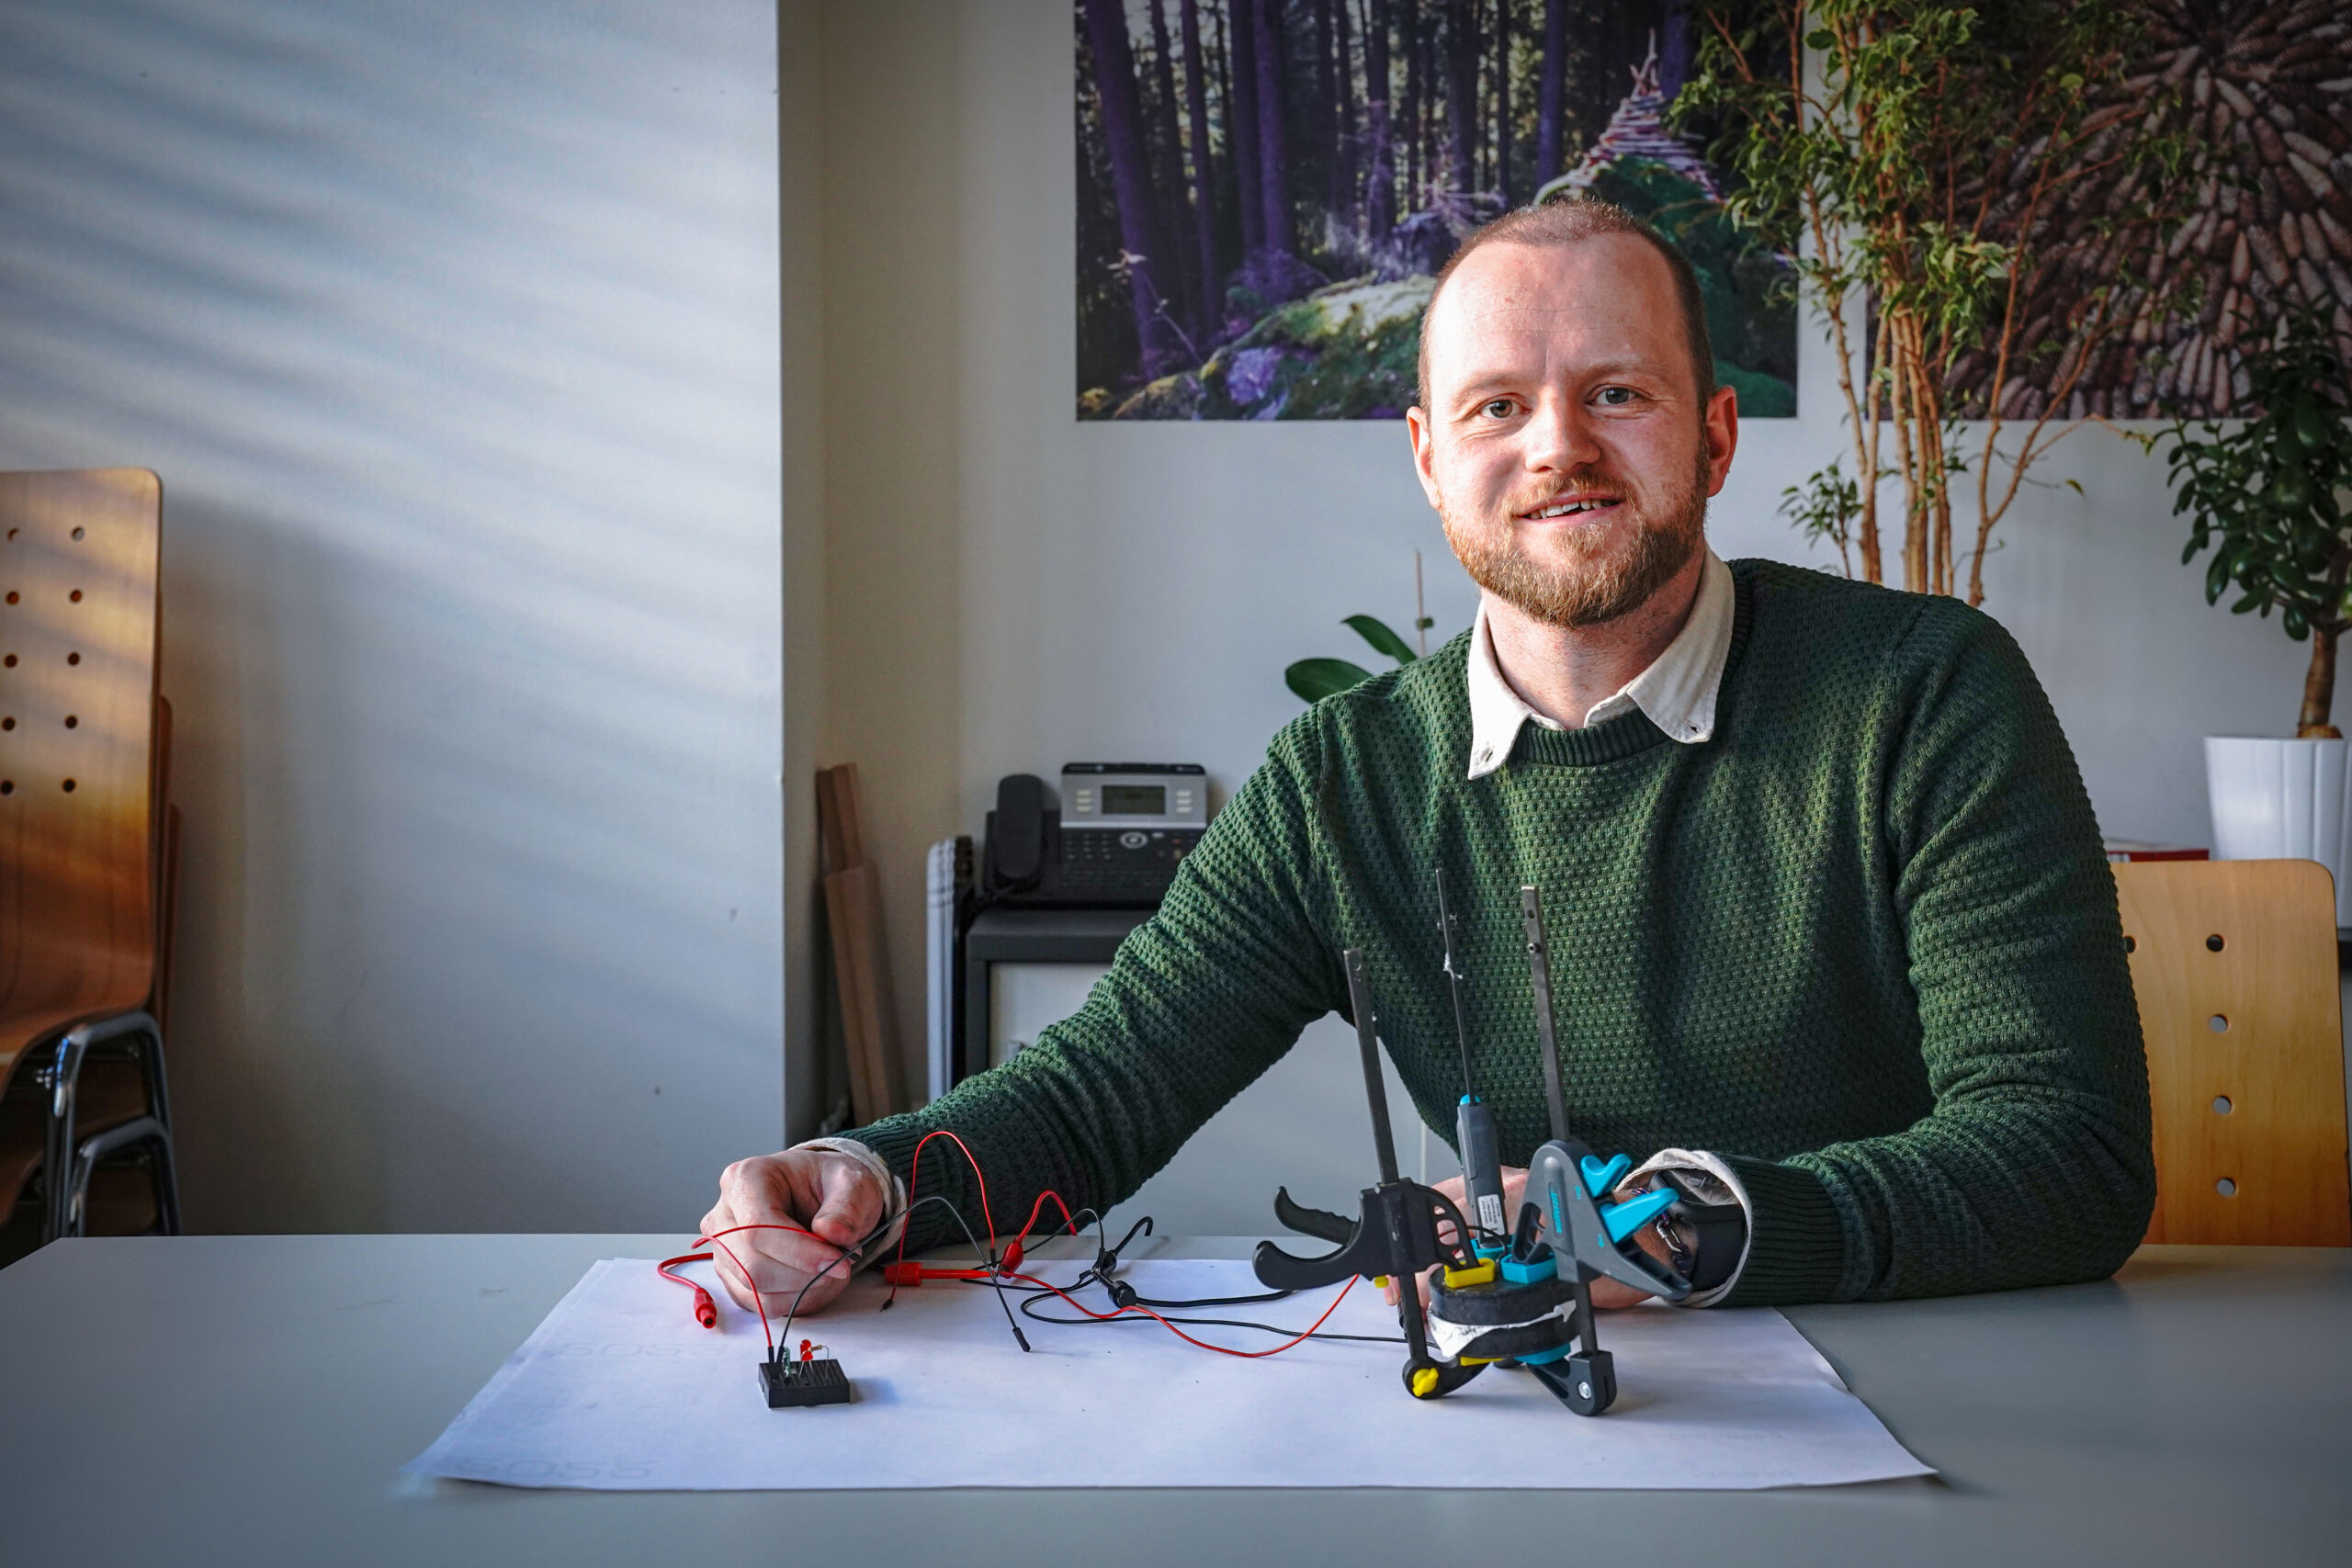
x: 1273, y: 152
x: 1502, y: 99
x: 1344, y: 151
x: 1550, y: 103
x: 1168, y: 175
x: 1380, y: 167
x: 1324, y: 117
x: 1122, y: 137
x: 1197, y: 112
x: 1415, y: 166
x: 1462, y: 53
x: 1242, y: 130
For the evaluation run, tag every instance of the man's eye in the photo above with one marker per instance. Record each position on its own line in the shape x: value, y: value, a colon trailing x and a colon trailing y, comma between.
x: 1497, y: 408
x: 1616, y: 397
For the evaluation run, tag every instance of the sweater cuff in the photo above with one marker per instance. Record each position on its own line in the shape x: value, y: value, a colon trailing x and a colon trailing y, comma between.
x: 894, y: 1192
x: 1703, y: 1172
x: 1796, y: 1242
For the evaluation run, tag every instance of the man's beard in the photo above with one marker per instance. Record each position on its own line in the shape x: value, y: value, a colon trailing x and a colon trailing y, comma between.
x: 1611, y: 574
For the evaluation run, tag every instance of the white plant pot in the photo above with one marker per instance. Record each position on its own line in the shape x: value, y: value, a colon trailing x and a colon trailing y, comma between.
x: 2282, y: 800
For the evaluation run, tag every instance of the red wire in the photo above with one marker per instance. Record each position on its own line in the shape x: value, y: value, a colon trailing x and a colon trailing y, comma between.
x: 1220, y: 1350
x: 715, y: 1241
x: 667, y: 1264
x: 914, y: 1173
x: 914, y: 1168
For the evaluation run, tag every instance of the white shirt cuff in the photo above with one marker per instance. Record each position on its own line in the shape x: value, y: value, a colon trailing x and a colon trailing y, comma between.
x: 1701, y: 1171
x: 894, y: 1201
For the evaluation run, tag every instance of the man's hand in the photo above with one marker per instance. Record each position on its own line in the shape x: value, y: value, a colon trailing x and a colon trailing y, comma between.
x: 820, y: 1191
x: 1605, y: 1293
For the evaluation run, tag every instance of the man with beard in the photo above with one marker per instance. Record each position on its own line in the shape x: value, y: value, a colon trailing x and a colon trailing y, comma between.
x: 1834, y: 940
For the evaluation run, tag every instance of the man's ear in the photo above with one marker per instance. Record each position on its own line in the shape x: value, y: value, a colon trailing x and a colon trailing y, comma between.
x: 1417, y: 430
x: 1721, y: 429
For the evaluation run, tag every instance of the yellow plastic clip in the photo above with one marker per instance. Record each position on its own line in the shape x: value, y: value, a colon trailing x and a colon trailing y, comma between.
x: 1381, y: 1281
x: 1479, y: 1273
x: 1425, y: 1382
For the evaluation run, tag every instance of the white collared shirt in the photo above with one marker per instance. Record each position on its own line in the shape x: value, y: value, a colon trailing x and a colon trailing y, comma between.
x: 1677, y: 691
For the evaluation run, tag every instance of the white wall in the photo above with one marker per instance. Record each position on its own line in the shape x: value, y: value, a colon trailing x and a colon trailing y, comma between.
x: 452, y: 327
x: 1135, y: 590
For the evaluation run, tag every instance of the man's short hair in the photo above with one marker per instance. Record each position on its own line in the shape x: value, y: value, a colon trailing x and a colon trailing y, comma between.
x: 1564, y: 220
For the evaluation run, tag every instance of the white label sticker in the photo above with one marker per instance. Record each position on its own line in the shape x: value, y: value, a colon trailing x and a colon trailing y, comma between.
x: 1490, y: 1212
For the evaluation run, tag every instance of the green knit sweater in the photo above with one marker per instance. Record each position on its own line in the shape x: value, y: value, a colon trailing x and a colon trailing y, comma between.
x: 1862, y: 944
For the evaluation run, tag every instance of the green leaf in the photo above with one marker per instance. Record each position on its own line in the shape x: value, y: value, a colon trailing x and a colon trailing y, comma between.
x: 2309, y: 428
x: 1382, y: 640
x: 2216, y: 576
x: 1315, y: 679
x: 2297, y: 628
x: 2290, y: 491
x: 2250, y: 602
x: 1820, y: 38
x: 2188, y: 551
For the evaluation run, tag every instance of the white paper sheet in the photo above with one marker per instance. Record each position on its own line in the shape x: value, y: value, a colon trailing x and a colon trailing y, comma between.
x: 619, y: 1389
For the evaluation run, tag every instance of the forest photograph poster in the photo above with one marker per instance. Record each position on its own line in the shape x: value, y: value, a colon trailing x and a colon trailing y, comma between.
x: 1266, y: 189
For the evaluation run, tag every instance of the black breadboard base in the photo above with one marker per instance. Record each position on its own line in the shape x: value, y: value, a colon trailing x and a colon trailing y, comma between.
x: 789, y: 1385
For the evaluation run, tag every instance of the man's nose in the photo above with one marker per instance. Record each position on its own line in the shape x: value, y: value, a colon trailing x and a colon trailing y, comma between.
x: 1560, y: 436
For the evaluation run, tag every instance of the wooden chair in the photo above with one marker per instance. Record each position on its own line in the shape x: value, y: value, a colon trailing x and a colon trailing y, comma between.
x: 2234, y: 964
x: 81, y: 843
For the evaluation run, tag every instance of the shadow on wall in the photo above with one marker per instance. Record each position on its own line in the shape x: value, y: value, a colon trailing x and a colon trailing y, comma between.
x: 453, y: 333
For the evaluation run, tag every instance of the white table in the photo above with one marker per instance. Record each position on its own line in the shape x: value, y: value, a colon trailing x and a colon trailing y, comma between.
x: 249, y: 1399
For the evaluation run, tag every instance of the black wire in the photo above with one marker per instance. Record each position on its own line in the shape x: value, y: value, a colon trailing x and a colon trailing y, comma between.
x: 780, y: 1349
x: 1020, y: 1338
x: 784, y: 1337
x: 1028, y: 1306
x: 1206, y: 1301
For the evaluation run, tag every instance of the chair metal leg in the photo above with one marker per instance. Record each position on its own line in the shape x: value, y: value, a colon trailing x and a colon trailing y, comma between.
x: 67, y: 1161
x: 114, y: 1141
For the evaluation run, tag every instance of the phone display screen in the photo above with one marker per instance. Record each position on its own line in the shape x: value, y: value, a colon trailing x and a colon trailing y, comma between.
x: 1135, y: 800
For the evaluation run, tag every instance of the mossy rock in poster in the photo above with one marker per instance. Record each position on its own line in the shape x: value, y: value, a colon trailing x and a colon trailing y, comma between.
x: 1097, y: 403
x: 1749, y: 293
x: 1170, y: 397
x: 1348, y: 351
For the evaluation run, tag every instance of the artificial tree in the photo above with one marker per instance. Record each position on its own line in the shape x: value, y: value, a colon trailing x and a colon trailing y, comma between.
x: 1935, y: 161
x: 2272, y: 496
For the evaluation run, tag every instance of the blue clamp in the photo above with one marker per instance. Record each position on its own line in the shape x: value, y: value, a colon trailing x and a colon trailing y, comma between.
x: 1623, y: 1219
x: 1600, y: 1174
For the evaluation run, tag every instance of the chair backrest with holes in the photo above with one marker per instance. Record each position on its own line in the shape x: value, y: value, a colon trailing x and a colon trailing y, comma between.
x: 78, y: 627
x: 2234, y: 965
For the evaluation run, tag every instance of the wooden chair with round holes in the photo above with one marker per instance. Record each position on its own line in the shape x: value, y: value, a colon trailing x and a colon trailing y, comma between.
x: 2234, y: 965
x: 79, y: 836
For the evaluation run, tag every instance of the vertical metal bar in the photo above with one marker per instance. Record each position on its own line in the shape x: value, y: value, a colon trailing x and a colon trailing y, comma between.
x: 1539, y: 964
x: 1368, y: 1042
x: 1445, y: 921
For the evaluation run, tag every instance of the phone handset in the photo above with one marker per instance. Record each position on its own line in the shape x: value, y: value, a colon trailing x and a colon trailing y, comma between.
x: 1016, y: 835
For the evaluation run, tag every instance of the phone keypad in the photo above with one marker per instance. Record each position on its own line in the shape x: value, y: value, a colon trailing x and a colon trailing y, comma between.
x: 1123, y: 861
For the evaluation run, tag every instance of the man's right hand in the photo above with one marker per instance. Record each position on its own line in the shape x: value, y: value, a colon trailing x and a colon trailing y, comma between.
x: 820, y: 1191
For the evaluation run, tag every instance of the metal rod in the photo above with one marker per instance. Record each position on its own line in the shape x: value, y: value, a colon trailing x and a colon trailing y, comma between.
x: 1445, y: 927
x: 1420, y: 610
x: 1539, y: 964
x: 1368, y: 1042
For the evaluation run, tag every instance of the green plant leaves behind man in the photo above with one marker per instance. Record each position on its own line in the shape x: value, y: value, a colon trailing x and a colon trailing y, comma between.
x: 1315, y: 679
x: 2262, y: 495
